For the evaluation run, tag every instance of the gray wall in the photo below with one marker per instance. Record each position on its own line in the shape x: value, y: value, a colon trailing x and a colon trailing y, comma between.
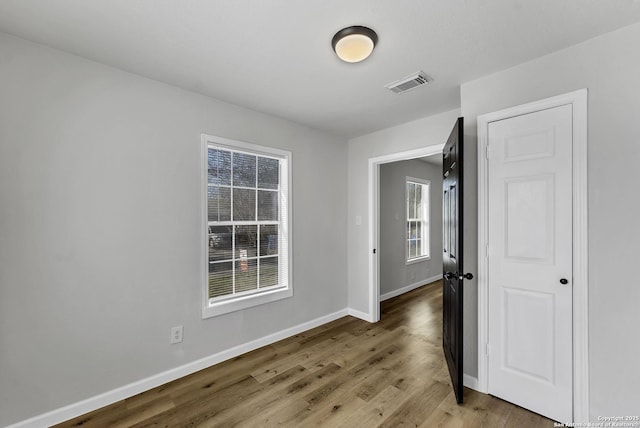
x: 100, y: 227
x: 394, y: 271
x: 609, y: 67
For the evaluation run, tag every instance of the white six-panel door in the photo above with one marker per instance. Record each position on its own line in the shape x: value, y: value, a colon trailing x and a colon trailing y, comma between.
x: 530, y: 261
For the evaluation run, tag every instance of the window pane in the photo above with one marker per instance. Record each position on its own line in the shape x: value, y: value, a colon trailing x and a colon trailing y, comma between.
x: 267, y: 205
x: 412, y: 249
x: 246, y: 275
x: 413, y: 231
x: 418, y: 230
x: 220, y: 243
x: 418, y: 247
x: 244, y: 205
x: 244, y: 170
x: 219, y: 166
x: 268, y: 173
x: 268, y: 272
x: 219, y: 203
x: 412, y: 201
x: 418, y: 200
x: 268, y: 240
x: 220, y: 279
x: 246, y: 241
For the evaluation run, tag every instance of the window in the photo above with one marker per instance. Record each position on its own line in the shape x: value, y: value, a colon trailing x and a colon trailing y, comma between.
x: 418, y: 196
x: 247, y: 225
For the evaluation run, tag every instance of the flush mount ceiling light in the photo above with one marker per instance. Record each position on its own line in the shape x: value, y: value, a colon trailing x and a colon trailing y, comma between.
x: 355, y: 43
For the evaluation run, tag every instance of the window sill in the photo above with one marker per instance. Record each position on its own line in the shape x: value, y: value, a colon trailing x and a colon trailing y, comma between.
x: 418, y: 260
x: 237, y: 304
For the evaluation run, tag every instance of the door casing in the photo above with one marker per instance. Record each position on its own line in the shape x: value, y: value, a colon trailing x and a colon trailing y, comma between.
x: 578, y: 100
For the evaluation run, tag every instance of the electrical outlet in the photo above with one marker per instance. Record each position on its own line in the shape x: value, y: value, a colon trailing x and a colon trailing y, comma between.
x: 176, y: 334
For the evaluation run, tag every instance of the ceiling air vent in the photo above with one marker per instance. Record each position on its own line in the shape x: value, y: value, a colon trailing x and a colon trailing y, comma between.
x: 413, y: 81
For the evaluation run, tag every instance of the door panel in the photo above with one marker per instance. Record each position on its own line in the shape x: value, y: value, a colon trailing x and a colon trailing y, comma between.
x: 452, y: 257
x: 530, y: 251
x: 529, y: 218
x: 529, y: 314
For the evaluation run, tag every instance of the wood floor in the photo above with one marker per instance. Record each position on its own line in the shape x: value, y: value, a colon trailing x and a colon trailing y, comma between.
x: 348, y: 373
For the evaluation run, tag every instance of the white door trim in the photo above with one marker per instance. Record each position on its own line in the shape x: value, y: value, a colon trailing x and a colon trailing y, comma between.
x: 374, y: 218
x: 578, y: 100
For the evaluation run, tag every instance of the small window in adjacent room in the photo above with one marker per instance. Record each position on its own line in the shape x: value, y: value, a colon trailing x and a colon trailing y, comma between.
x: 417, y: 241
x: 247, y: 231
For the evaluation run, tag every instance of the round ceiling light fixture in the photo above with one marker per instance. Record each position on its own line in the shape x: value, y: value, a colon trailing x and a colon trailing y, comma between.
x: 355, y: 43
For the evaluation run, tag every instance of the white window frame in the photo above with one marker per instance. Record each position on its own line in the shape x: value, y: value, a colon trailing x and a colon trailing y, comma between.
x: 425, y: 221
x: 215, y: 307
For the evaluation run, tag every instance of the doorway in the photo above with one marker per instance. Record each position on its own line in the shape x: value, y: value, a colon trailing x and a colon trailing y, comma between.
x: 410, y: 246
x: 374, y: 219
x: 532, y: 254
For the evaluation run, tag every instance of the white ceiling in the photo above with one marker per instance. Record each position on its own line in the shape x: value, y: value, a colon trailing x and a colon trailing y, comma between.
x: 275, y: 55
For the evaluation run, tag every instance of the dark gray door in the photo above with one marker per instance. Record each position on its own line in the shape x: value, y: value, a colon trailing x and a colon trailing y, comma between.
x: 452, y: 256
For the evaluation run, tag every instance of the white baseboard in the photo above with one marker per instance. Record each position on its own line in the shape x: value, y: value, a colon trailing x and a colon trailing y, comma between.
x: 408, y: 288
x: 359, y: 314
x: 90, y: 404
x: 470, y: 382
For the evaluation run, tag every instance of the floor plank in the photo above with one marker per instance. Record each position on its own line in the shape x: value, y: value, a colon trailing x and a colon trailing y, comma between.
x: 347, y: 373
